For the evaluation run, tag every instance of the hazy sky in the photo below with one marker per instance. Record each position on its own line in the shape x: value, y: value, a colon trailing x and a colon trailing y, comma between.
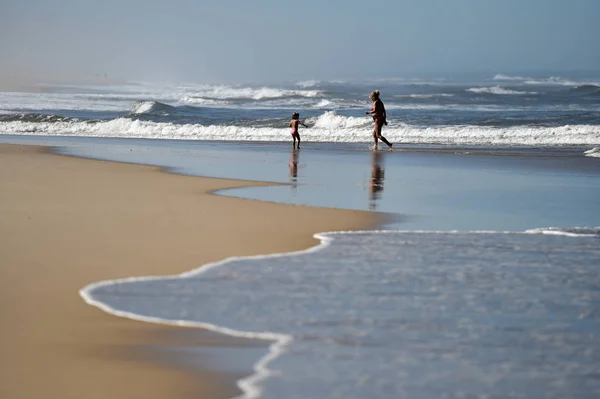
x: 273, y: 40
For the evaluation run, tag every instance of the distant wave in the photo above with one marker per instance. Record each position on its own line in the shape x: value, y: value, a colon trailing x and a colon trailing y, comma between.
x: 424, y: 95
x: 498, y: 90
x: 202, y: 101
x: 550, y: 81
x: 570, y: 232
x: 558, y: 81
x: 308, y: 83
x: 587, y: 89
x: 323, y: 103
x: 150, y: 107
x: 506, y: 77
x: 594, y: 152
x: 554, y: 80
x: 409, y: 81
x: 224, y: 92
x: 328, y: 127
x: 35, y: 118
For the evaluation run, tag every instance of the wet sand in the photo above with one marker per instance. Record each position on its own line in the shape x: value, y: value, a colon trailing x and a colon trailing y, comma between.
x: 67, y: 222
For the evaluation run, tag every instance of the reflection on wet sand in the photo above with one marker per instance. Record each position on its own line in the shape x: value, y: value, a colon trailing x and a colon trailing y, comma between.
x: 376, y: 180
x: 294, y: 168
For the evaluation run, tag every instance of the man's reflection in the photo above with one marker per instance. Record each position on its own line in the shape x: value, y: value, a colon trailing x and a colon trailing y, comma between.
x: 376, y: 180
x: 294, y: 168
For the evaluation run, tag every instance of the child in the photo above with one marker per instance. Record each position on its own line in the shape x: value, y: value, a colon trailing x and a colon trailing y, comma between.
x: 294, y: 128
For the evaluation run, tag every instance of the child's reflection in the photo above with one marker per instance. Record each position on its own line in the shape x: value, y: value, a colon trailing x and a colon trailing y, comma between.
x: 376, y: 180
x: 294, y: 168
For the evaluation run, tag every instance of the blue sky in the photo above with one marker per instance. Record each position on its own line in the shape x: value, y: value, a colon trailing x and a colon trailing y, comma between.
x: 266, y: 40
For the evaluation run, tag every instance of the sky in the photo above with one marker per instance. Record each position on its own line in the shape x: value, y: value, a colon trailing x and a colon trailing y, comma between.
x: 245, y: 41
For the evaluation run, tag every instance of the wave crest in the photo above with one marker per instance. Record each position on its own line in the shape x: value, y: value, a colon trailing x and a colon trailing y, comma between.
x: 36, y: 118
x: 507, y: 77
x: 202, y: 101
x: 331, y: 120
x: 150, y: 107
x: 594, y: 152
x: 223, y: 92
x: 570, y: 232
x: 498, y: 90
x: 328, y: 127
x: 308, y: 83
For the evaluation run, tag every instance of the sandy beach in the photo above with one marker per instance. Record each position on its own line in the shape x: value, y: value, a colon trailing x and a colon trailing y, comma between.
x: 68, y: 222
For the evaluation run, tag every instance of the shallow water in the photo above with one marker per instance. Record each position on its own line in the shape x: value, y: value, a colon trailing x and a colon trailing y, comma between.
x: 421, y: 188
x: 405, y: 314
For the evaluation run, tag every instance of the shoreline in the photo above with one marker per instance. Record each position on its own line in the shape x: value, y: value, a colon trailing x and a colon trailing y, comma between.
x: 69, y: 222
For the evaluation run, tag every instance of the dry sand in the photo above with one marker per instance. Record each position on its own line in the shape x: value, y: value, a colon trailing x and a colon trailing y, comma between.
x: 67, y: 222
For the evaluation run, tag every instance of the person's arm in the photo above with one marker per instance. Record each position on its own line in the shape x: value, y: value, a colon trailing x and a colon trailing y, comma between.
x: 302, y: 123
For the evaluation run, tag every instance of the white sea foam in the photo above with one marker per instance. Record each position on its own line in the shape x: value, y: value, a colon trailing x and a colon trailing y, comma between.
x: 498, y: 90
x: 594, y: 152
x: 332, y: 121
x: 328, y: 127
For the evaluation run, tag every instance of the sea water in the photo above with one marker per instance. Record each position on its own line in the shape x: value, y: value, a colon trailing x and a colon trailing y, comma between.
x: 487, y: 110
x: 400, y: 314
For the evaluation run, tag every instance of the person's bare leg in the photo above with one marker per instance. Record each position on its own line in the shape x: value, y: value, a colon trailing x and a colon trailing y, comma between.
x: 377, y: 131
x: 375, y: 135
x: 298, y: 142
x: 385, y: 141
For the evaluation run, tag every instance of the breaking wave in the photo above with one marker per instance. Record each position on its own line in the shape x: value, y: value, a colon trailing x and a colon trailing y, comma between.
x: 202, y: 101
x: 507, y: 77
x: 558, y: 81
x: 34, y: 118
x: 328, y: 127
x: 594, y: 152
x: 550, y: 81
x: 425, y: 95
x: 248, y: 93
x: 498, y: 90
x: 586, y: 90
x: 570, y: 232
x: 331, y: 120
x: 308, y: 83
x: 150, y: 107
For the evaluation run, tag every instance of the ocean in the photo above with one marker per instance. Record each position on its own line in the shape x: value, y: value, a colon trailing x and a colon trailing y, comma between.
x: 495, y: 110
x: 483, y: 282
